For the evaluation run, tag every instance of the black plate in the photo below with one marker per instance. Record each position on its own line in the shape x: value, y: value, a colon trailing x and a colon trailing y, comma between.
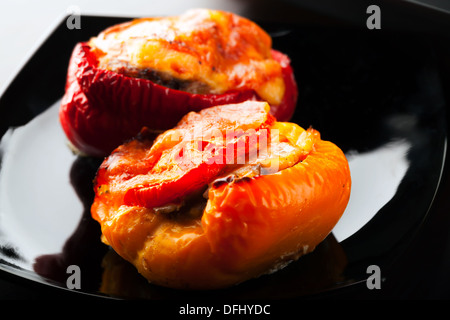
x: 377, y: 95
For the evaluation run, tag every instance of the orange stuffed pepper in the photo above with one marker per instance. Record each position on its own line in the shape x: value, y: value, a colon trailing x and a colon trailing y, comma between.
x: 227, y: 195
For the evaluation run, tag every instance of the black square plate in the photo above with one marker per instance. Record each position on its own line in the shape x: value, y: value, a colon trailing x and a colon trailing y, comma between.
x: 378, y: 95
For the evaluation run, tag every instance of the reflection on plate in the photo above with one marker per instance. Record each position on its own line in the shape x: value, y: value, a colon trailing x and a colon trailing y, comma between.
x: 372, y: 189
x: 377, y: 97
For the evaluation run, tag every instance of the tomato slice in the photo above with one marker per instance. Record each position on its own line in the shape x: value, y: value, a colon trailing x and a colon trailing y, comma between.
x: 185, y: 159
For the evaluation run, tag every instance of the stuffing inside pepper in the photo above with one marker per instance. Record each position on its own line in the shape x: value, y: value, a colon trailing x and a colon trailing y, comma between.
x: 200, y: 51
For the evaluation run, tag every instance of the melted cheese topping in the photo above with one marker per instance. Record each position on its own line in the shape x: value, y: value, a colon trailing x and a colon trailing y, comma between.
x: 216, y: 48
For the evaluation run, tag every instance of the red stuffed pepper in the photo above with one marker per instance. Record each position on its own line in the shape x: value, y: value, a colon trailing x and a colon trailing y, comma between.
x: 152, y: 71
x: 227, y: 195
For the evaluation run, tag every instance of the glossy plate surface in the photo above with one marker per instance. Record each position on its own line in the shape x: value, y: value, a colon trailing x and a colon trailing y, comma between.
x: 378, y: 96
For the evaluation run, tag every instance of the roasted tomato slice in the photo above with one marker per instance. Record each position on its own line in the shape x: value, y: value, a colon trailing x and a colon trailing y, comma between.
x: 226, y: 195
x: 188, y: 157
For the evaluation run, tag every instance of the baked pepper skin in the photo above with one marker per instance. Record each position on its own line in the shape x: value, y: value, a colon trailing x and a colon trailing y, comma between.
x: 249, y: 226
x: 287, y: 214
x: 102, y: 109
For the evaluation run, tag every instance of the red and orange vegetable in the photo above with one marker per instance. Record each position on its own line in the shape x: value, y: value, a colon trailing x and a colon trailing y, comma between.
x: 227, y: 195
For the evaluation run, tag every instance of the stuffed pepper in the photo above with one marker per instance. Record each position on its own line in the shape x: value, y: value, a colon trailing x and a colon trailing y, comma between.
x: 227, y: 195
x: 152, y: 71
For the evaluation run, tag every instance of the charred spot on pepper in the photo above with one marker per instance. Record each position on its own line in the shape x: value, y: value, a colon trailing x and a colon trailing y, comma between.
x: 243, y: 174
x: 221, y: 181
x: 102, y: 189
x: 243, y: 179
